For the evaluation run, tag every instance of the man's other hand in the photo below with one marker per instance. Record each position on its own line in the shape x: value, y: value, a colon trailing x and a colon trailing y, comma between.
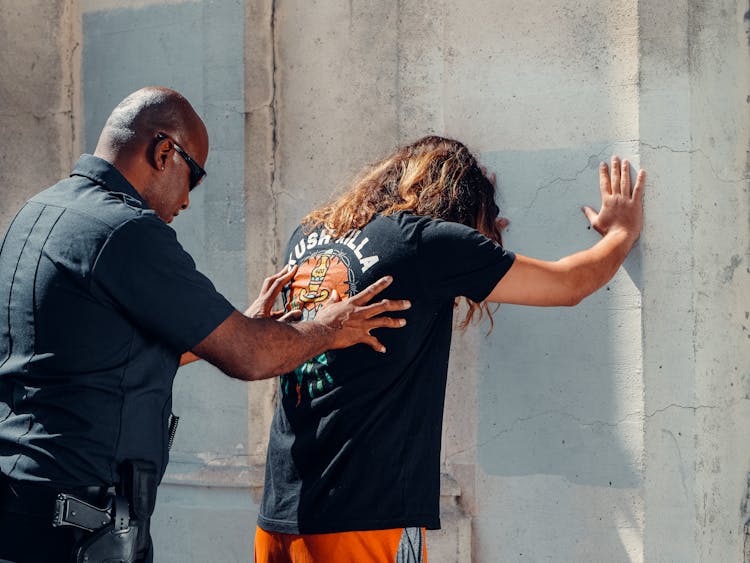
x: 622, y: 205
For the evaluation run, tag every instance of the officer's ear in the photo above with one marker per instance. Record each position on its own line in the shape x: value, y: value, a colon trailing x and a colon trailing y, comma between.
x: 162, y: 148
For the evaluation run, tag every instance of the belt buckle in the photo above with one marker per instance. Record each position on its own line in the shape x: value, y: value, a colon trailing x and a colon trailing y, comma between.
x: 72, y: 511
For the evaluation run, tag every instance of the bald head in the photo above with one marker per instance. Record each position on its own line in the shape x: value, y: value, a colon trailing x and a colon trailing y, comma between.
x: 144, y: 113
x: 147, y: 137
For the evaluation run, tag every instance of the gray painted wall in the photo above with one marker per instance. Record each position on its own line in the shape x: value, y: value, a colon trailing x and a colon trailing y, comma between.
x: 197, y: 49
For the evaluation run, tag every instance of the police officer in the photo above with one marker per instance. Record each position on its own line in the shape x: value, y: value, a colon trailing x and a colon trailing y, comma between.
x: 98, y: 303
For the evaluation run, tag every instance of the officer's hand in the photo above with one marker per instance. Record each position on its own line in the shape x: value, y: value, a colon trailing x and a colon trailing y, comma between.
x: 269, y: 291
x: 352, y: 319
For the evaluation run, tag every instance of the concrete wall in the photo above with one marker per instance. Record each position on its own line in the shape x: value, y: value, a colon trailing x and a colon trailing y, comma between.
x: 39, y: 54
x: 610, y: 432
x: 613, y: 431
x: 543, y: 449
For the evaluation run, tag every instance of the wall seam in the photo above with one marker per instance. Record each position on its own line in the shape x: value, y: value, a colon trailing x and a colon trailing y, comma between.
x: 274, y: 136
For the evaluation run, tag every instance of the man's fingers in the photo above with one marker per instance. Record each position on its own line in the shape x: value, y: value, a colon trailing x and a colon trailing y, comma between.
x: 625, y: 181
x: 335, y: 297
x: 590, y: 214
x: 366, y: 295
x: 640, y: 181
x: 604, y: 185
x: 615, y: 175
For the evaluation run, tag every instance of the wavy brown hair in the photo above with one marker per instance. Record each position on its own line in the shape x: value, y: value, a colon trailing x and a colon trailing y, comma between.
x: 433, y: 177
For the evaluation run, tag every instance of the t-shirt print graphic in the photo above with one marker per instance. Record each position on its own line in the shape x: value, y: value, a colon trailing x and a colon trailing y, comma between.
x: 317, y: 277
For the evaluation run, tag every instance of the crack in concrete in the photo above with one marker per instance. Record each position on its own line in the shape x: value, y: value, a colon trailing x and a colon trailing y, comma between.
x: 702, y: 153
x: 581, y: 422
x: 678, y: 406
x: 521, y: 420
x: 561, y: 179
x: 681, y: 465
x: 38, y: 115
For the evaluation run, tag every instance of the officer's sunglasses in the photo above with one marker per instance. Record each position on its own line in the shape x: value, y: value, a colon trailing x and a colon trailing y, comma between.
x: 196, y: 172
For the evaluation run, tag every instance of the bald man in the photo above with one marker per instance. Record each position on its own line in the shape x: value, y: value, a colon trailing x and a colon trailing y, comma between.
x: 99, y: 304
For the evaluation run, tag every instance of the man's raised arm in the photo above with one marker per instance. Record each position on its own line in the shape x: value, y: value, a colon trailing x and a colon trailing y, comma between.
x: 570, y: 279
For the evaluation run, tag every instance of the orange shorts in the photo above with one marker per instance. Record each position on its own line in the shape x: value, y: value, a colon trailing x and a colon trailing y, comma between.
x: 399, y: 545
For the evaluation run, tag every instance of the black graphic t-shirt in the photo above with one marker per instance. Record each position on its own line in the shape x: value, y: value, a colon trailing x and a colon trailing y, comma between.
x: 355, y: 441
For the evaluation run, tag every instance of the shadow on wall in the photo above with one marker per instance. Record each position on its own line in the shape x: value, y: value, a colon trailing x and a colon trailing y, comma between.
x: 561, y: 389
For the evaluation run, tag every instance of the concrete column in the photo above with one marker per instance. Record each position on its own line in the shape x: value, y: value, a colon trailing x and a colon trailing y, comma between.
x: 668, y: 315
x: 694, y: 137
x: 39, y: 97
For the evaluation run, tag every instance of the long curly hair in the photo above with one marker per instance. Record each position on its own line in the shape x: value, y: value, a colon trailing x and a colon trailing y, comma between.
x: 433, y: 177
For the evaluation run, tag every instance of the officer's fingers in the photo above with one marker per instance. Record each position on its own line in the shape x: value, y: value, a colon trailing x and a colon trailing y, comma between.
x: 291, y: 316
x: 384, y: 306
x: 374, y: 343
x: 385, y: 322
x: 281, y: 279
x: 272, y: 279
x: 284, y: 275
x: 366, y: 295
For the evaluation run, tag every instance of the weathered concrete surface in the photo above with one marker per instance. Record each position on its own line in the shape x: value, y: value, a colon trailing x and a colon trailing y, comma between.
x: 38, y: 95
x: 695, y: 136
x: 570, y: 434
x: 537, y: 408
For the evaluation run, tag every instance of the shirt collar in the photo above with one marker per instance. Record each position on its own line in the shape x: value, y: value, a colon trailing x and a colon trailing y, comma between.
x: 105, y: 174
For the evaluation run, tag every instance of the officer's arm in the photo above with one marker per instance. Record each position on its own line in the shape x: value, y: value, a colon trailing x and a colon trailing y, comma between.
x: 262, y: 307
x: 570, y: 279
x: 259, y: 348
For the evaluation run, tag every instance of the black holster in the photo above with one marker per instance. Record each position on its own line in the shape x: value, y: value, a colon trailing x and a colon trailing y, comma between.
x: 126, y: 539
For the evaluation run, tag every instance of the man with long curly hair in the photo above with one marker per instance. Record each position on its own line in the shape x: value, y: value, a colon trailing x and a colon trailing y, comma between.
x: 353, y: 461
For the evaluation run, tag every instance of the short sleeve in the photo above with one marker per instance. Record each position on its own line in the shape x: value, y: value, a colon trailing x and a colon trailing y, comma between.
x: 456, y: 260
x: 145, y: 271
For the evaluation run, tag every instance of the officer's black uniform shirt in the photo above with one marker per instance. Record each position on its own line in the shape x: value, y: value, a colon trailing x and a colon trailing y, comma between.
x: 97, y: 302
